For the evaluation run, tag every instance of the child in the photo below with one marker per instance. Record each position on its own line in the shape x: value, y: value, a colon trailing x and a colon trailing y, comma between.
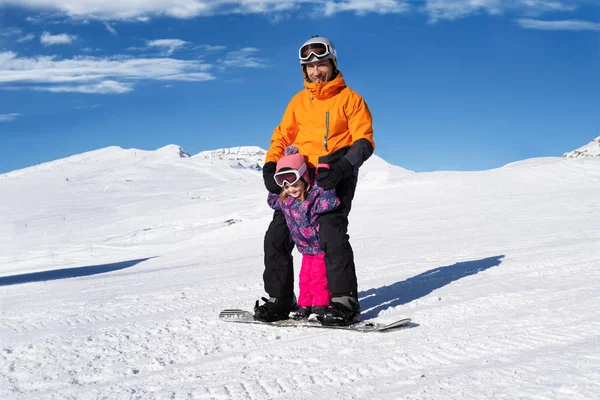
x: 301, y: 201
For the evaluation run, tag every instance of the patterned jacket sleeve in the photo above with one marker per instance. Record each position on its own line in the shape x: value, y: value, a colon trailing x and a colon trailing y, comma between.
x: 273, y: 201
x: 326, y: 200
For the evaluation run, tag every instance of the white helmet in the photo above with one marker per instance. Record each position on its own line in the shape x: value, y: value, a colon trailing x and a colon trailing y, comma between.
x: 317, y: 48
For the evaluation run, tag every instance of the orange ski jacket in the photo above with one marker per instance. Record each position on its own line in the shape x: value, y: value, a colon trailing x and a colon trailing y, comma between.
x: 322, y: 118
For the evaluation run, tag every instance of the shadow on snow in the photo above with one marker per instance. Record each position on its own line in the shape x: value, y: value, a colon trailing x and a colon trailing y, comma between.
x: 375, y: 300
x: 68, y: 272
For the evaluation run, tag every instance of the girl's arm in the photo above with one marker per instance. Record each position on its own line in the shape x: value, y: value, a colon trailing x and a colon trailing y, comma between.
x: 273, y: 201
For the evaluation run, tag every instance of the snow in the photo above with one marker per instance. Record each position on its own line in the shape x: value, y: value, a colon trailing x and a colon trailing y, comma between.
x: 173, y: 149
x: 116, y: 263
x: 592, y: 149
x: 239, y: 157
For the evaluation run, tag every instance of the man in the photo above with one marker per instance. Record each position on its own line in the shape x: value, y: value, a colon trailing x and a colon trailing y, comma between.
x: 330, y: 124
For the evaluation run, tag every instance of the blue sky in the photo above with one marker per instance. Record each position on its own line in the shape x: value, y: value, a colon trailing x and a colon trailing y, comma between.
x: 451, y: 84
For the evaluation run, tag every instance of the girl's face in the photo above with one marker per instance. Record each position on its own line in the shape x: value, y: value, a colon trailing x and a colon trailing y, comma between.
x: 296, y: 189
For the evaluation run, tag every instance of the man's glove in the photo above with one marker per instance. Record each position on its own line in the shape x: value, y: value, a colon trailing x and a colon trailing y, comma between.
x: 329, y: 178
x: 268, y: 173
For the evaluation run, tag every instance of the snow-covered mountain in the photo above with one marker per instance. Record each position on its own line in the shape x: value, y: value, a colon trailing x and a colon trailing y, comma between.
x: 125, y: 163
x: 115, y: 264
x: 592, y: 149
x: 250, y: 157
x: 173, y: 149
x: 107, y: 158
x: 375, y: 170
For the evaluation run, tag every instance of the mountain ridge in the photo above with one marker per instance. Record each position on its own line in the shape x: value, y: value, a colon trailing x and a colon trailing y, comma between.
x: 592, y: 149
x: 238, y: 157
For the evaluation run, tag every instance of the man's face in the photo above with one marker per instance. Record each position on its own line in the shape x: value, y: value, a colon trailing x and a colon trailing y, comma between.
x: 320, y: 71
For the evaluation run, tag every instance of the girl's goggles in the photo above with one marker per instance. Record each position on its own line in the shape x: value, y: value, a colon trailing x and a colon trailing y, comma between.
x: 289, y: 176
x: 319, y: 50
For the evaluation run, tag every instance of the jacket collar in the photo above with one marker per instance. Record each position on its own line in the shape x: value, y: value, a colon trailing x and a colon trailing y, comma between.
x: 325, y: 90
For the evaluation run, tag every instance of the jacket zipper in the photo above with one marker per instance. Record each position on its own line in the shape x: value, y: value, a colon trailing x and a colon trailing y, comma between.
x: 326, y: 130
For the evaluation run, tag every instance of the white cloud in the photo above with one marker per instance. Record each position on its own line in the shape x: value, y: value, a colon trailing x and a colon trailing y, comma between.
x: 243, y: 58
x: 26, y: 38
x: 143, y: 10
x: 546, y: 5
x: 48, y: 39
x: 190, y: 77
x: 87, y: 107
x: 167, y: 45
x: 10, y: 31
x: 210, y: 48
x: 564, y: 25
x: 104, y: 87
x: 366, y: 6
x: 87, y: 74
x: 140, y: 9
x: 268, y: 6
x: 9, y: 117
x: 110, y: 28
x: 454, y: 9
x: 13, y: 31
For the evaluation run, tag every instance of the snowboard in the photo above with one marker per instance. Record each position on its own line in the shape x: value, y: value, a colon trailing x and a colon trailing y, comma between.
x: 246, y: 317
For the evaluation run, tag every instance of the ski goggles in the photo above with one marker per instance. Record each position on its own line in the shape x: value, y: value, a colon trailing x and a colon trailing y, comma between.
x: 289, y: 176
x: 319, y: 50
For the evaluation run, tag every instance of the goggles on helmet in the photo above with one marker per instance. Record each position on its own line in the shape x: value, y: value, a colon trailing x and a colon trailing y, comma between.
x: 319, y: 50
x: 289, y: 176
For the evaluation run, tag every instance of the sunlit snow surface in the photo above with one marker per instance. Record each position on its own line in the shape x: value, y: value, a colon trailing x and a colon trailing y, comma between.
x: 116, y: 263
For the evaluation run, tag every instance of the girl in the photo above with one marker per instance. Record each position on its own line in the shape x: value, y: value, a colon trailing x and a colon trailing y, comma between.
x: 301, y: 201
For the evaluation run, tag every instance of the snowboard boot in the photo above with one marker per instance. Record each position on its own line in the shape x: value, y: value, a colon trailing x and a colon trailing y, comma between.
x: 300, y: 313
x: 343, y: 310
x: 274, y: 309
x: 317, y: 313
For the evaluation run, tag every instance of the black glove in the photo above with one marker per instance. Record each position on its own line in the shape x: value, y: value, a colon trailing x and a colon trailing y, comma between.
x: 329, y: 178
x: 268, y: 173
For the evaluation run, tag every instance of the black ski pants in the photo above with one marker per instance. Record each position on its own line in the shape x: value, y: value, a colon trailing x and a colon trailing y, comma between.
x: 278, y: 275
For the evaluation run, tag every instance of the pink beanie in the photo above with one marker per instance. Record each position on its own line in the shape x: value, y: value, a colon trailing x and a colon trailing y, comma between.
x: 293, y: 160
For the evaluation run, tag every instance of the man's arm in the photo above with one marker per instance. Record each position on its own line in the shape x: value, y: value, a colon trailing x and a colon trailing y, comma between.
x: 283, y: 135
x: 360, y: 124
x: 359, y: 152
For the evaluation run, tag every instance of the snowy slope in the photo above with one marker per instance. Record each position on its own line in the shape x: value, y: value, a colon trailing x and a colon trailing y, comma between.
x: 173, y: 149
x: 251, y: 157
x: 592, y: 149
x: 111, y: 282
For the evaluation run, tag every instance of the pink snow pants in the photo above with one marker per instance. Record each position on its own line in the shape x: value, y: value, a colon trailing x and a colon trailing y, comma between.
x: 313, y: 281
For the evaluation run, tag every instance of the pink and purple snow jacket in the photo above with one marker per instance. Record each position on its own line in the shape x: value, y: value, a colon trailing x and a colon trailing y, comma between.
x: 302, y: 218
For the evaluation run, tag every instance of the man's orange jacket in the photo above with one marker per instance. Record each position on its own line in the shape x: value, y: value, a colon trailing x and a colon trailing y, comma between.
x: 322, y: 118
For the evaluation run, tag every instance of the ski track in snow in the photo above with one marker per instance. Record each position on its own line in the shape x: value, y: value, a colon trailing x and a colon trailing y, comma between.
x: 497, y: 269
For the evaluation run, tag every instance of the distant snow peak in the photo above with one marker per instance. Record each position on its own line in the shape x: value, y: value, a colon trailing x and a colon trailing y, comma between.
x: 173, y: 149
x: 232, y: 152
x: 592, y: 149
x: 245, y: 157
